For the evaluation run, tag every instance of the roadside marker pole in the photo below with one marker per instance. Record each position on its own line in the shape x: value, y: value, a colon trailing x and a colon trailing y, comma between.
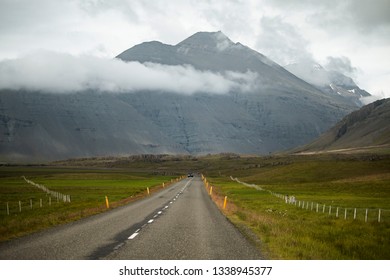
x: 379, y: 216
x: 163, y: 185
x: 224, y: 202
x: 211, y: 190
x: 148, y: 190
x: 366, y: 215
x: 345, y: 214
x: 7, y: 209
x: 20, y: 206
x: 354, y: 214
x: 107, y: 203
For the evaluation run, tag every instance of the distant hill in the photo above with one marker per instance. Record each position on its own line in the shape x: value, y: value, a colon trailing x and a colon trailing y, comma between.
x: 279, y: 111
x: 366, y: 127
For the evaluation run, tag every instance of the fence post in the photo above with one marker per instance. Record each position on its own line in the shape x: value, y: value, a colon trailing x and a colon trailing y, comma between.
x: 345, y: 214
x: 317, y: 208
x: 366, y: 215
x: 354, y: 214
x: 20, y: 206
x: 323, y: 209
x: 379, y: 216
x: 337, y: 212
x: 7, y: 209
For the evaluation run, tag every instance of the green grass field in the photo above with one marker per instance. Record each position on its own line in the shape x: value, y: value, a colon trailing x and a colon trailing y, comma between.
x: 284, y: 231
x: 86, y: 187
x: 290, y: 232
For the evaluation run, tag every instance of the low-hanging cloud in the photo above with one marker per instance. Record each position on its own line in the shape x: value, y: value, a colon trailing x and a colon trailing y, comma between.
x: 63, y: 73
x: 340, y: 64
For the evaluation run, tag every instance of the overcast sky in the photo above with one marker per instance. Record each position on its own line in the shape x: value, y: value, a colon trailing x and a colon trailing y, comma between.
x: 350, y: 36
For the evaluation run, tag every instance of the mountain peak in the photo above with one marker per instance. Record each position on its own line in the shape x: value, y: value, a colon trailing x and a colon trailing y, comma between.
x: 216, y: 40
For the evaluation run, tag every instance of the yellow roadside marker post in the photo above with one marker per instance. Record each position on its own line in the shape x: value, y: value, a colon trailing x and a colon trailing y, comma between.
x: 224, y: 202
x: 107, y: 203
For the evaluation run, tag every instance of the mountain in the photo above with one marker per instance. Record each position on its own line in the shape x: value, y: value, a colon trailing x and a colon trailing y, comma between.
x: 366, y: 127
x: 279, y: 111
x: 331, y: 82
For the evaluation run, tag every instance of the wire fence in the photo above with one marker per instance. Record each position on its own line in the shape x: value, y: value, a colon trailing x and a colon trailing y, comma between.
x: 20, y: 206
x: 57, y: 195
x: 362, y: 214
x: 24, y: 205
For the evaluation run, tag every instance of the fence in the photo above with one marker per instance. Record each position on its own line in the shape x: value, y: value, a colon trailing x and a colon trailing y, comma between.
x: 363, y: 214
x: 57, y: 195
x: 28, y: 204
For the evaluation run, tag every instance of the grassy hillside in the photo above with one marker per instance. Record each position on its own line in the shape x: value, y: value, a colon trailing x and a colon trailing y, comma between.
x: 368, y: 127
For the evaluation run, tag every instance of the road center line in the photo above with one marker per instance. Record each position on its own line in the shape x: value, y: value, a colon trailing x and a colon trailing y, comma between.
x: 155, y: 216
x: 133, y: 235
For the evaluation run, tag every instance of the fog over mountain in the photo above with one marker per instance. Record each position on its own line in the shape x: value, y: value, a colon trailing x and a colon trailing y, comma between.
x: 52, y: 72
x: 331, y: 80
x: 206, y: 94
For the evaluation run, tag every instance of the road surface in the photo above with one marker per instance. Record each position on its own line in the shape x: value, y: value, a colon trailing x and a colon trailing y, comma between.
x: 179, y: 222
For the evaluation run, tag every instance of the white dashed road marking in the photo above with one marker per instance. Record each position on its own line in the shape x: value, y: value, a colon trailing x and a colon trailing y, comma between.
x: 133, y: 235
x: 155, y: 216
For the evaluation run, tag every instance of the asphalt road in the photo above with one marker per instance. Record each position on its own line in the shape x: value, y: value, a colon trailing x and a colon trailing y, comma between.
x: 179, y: 222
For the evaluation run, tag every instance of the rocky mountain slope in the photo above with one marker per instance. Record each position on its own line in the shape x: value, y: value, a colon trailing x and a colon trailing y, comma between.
x: 278, y: 111
x: 366, y: 127
x: 331, y: 82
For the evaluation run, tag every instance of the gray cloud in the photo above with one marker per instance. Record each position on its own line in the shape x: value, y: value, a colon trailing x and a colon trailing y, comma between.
x: 362, y: 14
x: 340, y: 64
x: 286, y: 31
x: 281, y: 41
x: 62, y: 73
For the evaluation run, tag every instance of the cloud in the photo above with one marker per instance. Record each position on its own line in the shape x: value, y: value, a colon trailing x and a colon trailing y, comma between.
x: 63, y: 73
x: 340, y: 64
x: 281, y: 41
